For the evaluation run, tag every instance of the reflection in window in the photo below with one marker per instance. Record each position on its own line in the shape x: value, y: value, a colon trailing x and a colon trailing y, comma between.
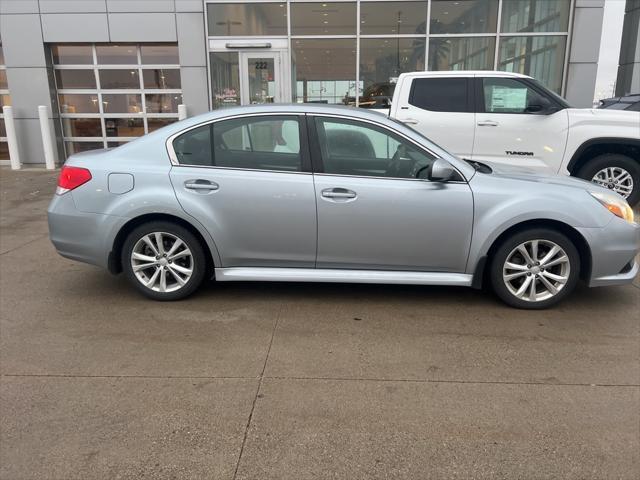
x: 163, y: 102
x: 507, y: 95
x: 3, y: 80
x: 162, y: 79
x: 72, y: 54
x: 77, y: 147
x: 464, y: 16
x: 247, y: 19
x: 82, y: 127
x: 117, y: 54
x: 381, y: 61
x: 225, y: 79
x: 85, y: 79
x: 541, y: 57
x: 323, y: 18
x: 119, y: 79
x: 461, y: 53
x: 535, y: 15
x: 159, y: 54
x: 78, y: 103
x: 389, y: 18
x: 124, y: 127
x: 156, y: 123
x: 121, y: 103
x: 325, y: 70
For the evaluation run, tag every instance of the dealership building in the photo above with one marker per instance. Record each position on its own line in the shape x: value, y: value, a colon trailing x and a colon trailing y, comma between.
x: 112, y: 70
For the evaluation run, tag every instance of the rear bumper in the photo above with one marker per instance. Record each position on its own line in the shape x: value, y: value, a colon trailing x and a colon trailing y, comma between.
x: 613, y: 253
x: 81, y: 236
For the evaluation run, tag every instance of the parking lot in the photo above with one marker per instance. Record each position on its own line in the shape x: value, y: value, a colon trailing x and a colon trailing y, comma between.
x: 301, y: 381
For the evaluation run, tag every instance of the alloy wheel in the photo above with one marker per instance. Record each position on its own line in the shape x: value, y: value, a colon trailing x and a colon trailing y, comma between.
x: 536, y: 270
x: 162, y: 262
x: 616, y: 179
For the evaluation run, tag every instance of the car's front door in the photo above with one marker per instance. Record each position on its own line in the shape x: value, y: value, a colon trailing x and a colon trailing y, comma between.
x: 376, y: 210
x: 518, y: 125
x: 248, y: 181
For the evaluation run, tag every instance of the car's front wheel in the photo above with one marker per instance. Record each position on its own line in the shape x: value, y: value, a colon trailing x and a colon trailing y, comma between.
x: 163, y: 260
x: 535, y: 269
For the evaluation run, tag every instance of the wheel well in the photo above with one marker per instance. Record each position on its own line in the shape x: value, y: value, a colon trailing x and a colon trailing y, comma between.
x: 115, y: 256
x: 482, y: 270
x: 586, y: 152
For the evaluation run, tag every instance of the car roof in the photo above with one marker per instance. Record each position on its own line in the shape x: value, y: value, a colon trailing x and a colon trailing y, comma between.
x: 465, y: 73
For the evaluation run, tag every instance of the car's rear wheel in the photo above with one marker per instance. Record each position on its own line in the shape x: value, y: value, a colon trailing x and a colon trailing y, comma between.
x: 535, y: 268
x: 616, y: 172
x: 163, y: 260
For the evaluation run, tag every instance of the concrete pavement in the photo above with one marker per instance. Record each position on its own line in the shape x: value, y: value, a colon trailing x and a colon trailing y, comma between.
x: 279, y: 381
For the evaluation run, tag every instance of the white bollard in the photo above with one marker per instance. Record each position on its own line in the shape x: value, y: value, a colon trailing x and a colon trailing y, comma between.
x: 47, y: 137
x: 182, y: 111
x: 12, y: 139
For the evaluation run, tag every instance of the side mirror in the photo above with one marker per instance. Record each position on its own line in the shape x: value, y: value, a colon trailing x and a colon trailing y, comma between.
x: 540, y: 106
x: 441, y: 171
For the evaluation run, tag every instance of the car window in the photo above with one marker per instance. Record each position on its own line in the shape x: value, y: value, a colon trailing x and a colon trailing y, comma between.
x: 440, y: 94
x: 354, y: 148
x: 508, y: 95
x: 258, y: 143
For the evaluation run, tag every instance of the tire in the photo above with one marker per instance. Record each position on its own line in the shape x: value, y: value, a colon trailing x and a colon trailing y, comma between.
x: 619, y: 164
x: 187, y: 256
x: 507, y: 280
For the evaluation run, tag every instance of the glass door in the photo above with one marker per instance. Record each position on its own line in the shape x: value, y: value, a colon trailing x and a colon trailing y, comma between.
x: 261, y: 78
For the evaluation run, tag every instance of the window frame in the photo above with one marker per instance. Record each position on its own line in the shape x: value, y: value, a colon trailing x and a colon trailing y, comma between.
x: 480, y: 106
x: 305, y: 158
x: 316, y: 150
x: 471, y: 92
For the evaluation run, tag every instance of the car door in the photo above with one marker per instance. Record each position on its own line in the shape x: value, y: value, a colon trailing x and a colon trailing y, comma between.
x: 248, y: 181
x: 373, y: 210
x: 441, y: 108
x: 519, y: 125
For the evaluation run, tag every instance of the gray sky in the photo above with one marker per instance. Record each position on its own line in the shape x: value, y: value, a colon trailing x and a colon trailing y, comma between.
x: 609, y: 48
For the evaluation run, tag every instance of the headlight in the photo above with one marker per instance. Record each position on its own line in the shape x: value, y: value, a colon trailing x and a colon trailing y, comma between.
x: 615, y: 204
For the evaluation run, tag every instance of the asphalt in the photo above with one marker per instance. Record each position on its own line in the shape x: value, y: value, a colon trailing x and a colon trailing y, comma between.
x: 301, y: 381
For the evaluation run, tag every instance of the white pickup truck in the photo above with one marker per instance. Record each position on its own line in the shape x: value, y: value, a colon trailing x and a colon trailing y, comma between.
x: 511, y: 118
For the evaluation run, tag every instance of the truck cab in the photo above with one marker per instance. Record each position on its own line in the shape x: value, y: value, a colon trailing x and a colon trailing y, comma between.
x: 502, y: 117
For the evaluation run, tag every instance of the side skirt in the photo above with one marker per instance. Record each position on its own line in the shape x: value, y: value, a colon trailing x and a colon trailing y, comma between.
x: 265, y: 274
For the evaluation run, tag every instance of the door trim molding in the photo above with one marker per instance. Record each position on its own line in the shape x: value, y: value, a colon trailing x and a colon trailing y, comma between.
x: 268, y: 274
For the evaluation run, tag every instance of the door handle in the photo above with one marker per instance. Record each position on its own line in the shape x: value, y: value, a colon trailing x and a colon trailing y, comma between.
x: 410, y: 121
x: 338, y: 193
x: 201, y: 185
x: 488, y: 123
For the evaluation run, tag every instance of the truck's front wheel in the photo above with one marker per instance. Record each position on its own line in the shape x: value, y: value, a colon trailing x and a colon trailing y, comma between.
x: 616, y: 172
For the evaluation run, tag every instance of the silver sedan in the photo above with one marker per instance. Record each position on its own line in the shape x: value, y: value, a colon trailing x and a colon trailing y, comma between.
x: 332, y: 194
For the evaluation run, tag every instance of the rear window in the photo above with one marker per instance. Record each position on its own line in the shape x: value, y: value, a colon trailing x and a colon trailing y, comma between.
x: 440, y: 94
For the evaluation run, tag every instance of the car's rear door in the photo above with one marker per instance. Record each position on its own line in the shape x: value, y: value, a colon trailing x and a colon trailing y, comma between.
x: 373, y: 211
x: 247, y: 180
x: 441, y: 108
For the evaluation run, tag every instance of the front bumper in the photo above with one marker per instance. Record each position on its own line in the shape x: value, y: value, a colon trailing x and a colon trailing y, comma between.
x: 81, y: 236
x: 614, y: 249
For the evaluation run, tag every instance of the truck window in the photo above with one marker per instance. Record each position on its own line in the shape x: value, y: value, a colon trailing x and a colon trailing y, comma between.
x: 440, y: 94
x: 507, y: 95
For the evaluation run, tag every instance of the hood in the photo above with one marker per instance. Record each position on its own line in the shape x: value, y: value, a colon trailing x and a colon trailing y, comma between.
x: 605, y: 117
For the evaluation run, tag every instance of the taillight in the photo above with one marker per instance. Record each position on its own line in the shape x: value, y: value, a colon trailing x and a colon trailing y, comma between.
x: 72, y: 177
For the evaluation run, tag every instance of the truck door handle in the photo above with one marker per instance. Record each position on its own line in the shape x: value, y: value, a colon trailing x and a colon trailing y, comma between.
x: 338, y: 193
x: 201, y: 185
x: 488, y: 123
x: 410, y: 121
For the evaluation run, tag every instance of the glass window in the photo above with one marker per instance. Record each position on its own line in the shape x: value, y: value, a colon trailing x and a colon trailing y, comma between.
x: 121, y: 103
x: 4, y: 151
x: 225, y: 79
x: 3, y: 128
x: 464, y: 16
x: 382, y: 60
x: 440, y: 94
x: 325, y: 70
x: 163, y: 103
x: 461, y: 53
x: 541, y: 57
x: 161, y: 78
x: 117, y: 54
x: 159, y: 54
x: 72, y: 54
x: 82, y: 127
x: 77, y: 147
x: 389, y: 18
x: 507, y: 95
x: 3, y: 80
x: 194, y: 147
x: 353, y: 148
x: 79, y: 103
x: 112, y: 79
x: 535, y: 15
x: 75, y: 79
x: 5, y: 99
x: 156, y: 123
x: 243, y: 19
x: 323, y: 18
x: 1, y: 55
x: 124, y: 127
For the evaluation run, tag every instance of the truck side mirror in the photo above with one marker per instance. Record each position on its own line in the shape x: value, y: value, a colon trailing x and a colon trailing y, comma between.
x: 539, y: 106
